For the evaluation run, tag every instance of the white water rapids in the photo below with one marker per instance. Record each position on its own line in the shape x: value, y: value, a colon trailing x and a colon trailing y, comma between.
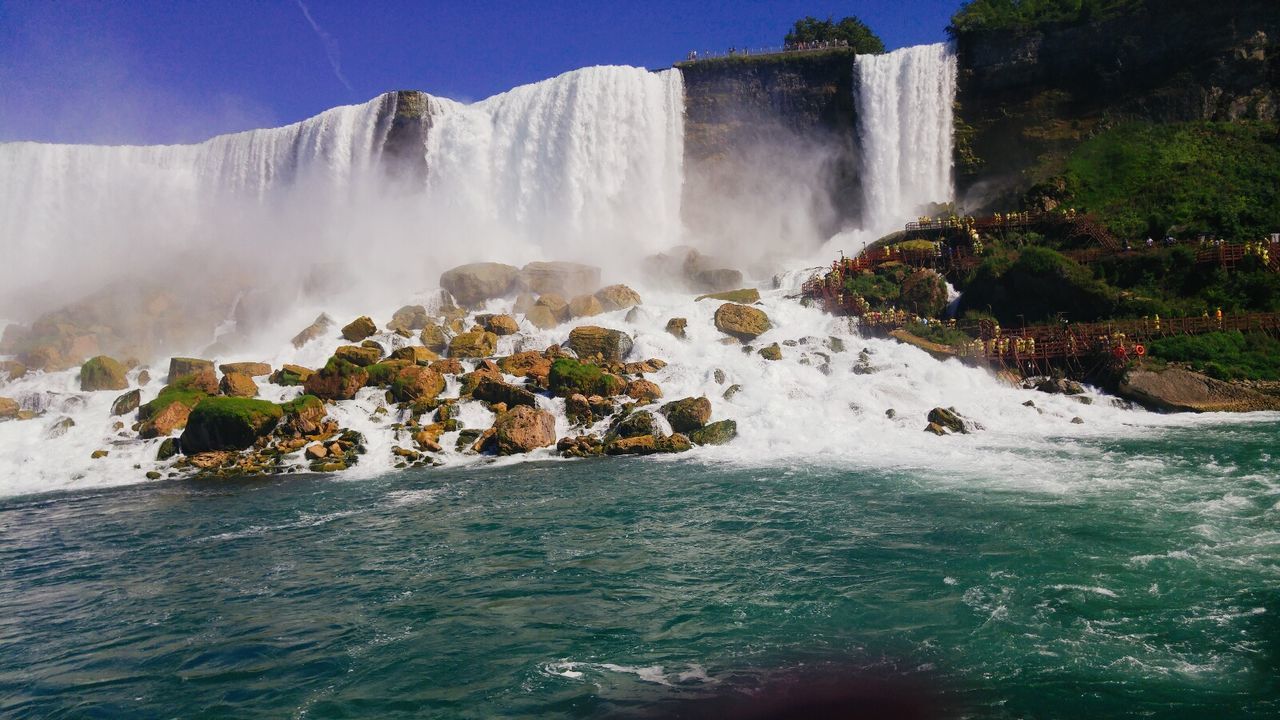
x: 584, y: 167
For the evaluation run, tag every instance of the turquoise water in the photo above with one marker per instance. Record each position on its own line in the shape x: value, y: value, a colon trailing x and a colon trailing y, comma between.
x: 1143, y: 582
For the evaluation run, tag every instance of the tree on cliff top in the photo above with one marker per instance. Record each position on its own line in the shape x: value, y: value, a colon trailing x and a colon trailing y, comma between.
x: 979, y: 15
x: 852, y: 30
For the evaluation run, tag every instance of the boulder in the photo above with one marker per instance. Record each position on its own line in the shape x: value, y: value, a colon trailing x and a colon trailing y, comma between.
x: 417, y: 383
x: 577, y: 409
x: 564, y: 278
x: 580, y: 446
x: 948, y: 419
x: 358, y: 354
x: 447, y: 366
x: 524, y: 303
x: 742, y: 322
x: 523, y: 429
x: 676, y: 326
x: 472, y: 284
x: 239, y: 385
x: 252, y: 369
x: 541, y: 317
x: 687, y: 414
x: 494, y: 390
x: 166, y: 417
x: 648, y: 445
x: 475, y: 344
x: 103, y: 373
x: 415, y: 354
x: 501, y: 325
x: 771, y: 352
x: 9, y: 408
x: 634, y: 425
x: 304, y: 410
x: 585, y: 306
x: 555, y: 303
x: 1178, y: 390
x: 223, y: 423
x: 359, y: 329
x: 717, y: 433
x: 181, y: 367
x: 589, y: 340
x: 337, y: 380
x: 12, y: 370
x: 433, y: 338
x: 289, y: 375
x: 409, y: 317
x: 530, y: 364
x: 935, y: 428
x: 643, y: 391
x: 568, y: 377
x: 617, y: 297
x: 486, y: 368
x: 126, y: 403
x: 314, y: 330
x: 745, y: 296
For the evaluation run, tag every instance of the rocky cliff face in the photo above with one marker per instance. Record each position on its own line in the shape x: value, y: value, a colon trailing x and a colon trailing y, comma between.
x: 408, y: 119
x: 785, y: 117
x: 1027, y: 98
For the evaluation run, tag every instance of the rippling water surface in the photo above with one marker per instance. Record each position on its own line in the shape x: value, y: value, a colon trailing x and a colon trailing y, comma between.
x: 1144, y: 582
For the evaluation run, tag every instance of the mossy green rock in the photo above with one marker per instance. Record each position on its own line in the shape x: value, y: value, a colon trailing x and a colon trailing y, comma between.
x: 359, y: 329
x: 687, y: 414
x: 337, y: 380
x: 742, y: 322
x: 103, y: 373
x: 417, y: 383
x: 168, y: 449
x: 745, y: 296
x: 717, y: 433
x: 223, y: 423
x: 358, y: 354
x: 569, y: 376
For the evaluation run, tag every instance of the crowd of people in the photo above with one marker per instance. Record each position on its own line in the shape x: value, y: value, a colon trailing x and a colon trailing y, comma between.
x: 789, y: 47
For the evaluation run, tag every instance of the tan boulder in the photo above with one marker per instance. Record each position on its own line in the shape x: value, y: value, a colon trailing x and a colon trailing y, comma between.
x: 473, y: 345
x: 235, y: 384
x: 313, y: 331
x: 523, y: 429
x: 165, y: 420
x: 337, y: 380
x: 617, y: 297
x: 531, y: 364
x: 644, y: 391
x: 433, y: 338
x: 676, y: 326
x: 447, y: 366
x: 180, y: 367
x: 409, y: 317
x: 359, y: 329
x: 742, y: 322
x: 524, y: 303
x: 12, y: 370
x: 252, y: 369
x: 103, y: 373
x: 472, y: 284
x: 8, y: 408
x: 502, y: 325
x: 541, y: 317
x: 589, y: 340
x: 359, y: 354
x: 585, y: 306
x: 556, y: 303
x: 687, y: 414
x: 564, y: 278
x: 415, y: 354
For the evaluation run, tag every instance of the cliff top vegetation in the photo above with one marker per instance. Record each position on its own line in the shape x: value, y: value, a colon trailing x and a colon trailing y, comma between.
x: 988, y: 15
x: 861, y: 39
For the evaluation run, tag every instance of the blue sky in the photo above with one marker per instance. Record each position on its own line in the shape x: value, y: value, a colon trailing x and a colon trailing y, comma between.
x: 152, y: 71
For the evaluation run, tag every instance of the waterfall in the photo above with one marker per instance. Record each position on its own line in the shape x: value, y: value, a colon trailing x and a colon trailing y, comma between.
x: 584, y: 166
x: 904, y: 103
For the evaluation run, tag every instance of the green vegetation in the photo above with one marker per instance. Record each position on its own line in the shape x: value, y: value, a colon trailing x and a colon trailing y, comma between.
x: 851, y: 30
x: 570, y: 376
x: 937, y: 332
x: 341, y: 368
x: 1223, y: 355
x: 1036, y: 285
x: 982, y: 15
x: 222, y: 423
x: 882, y: 287
x: 180, y: 391
x: 302, y: 403
x: 384, y: 373
x: 251, y: 411
x: 1146, y: 180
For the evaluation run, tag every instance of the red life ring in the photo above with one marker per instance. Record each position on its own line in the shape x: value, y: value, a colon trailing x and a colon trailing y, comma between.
x: 1119, y: 352
x: 1139, y: 350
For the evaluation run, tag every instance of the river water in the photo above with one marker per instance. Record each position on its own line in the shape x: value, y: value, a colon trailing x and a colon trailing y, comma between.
x: 652, y: 587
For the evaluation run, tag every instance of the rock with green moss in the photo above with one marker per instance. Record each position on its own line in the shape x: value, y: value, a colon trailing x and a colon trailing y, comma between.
x: 103, y: 373
x: 337, y: 380
x: 417, y: 383
x: 742, y: 322
x: 291, y: 375
x: 305, y: 407
x: 687, y: 414
x: 181, y: 367
x: 569, y: 376
x: 745, y: 296
x: 169, y: 410
x: 223, y: 423
x: 634, y: 425
x: 358, y: 354
x: 384, y: 373
x: 716, y: 433
x: 771, y: 352
x: 167, y: 449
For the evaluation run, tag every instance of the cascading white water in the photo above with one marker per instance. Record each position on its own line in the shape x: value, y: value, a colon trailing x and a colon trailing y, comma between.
x: 904, y: 103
